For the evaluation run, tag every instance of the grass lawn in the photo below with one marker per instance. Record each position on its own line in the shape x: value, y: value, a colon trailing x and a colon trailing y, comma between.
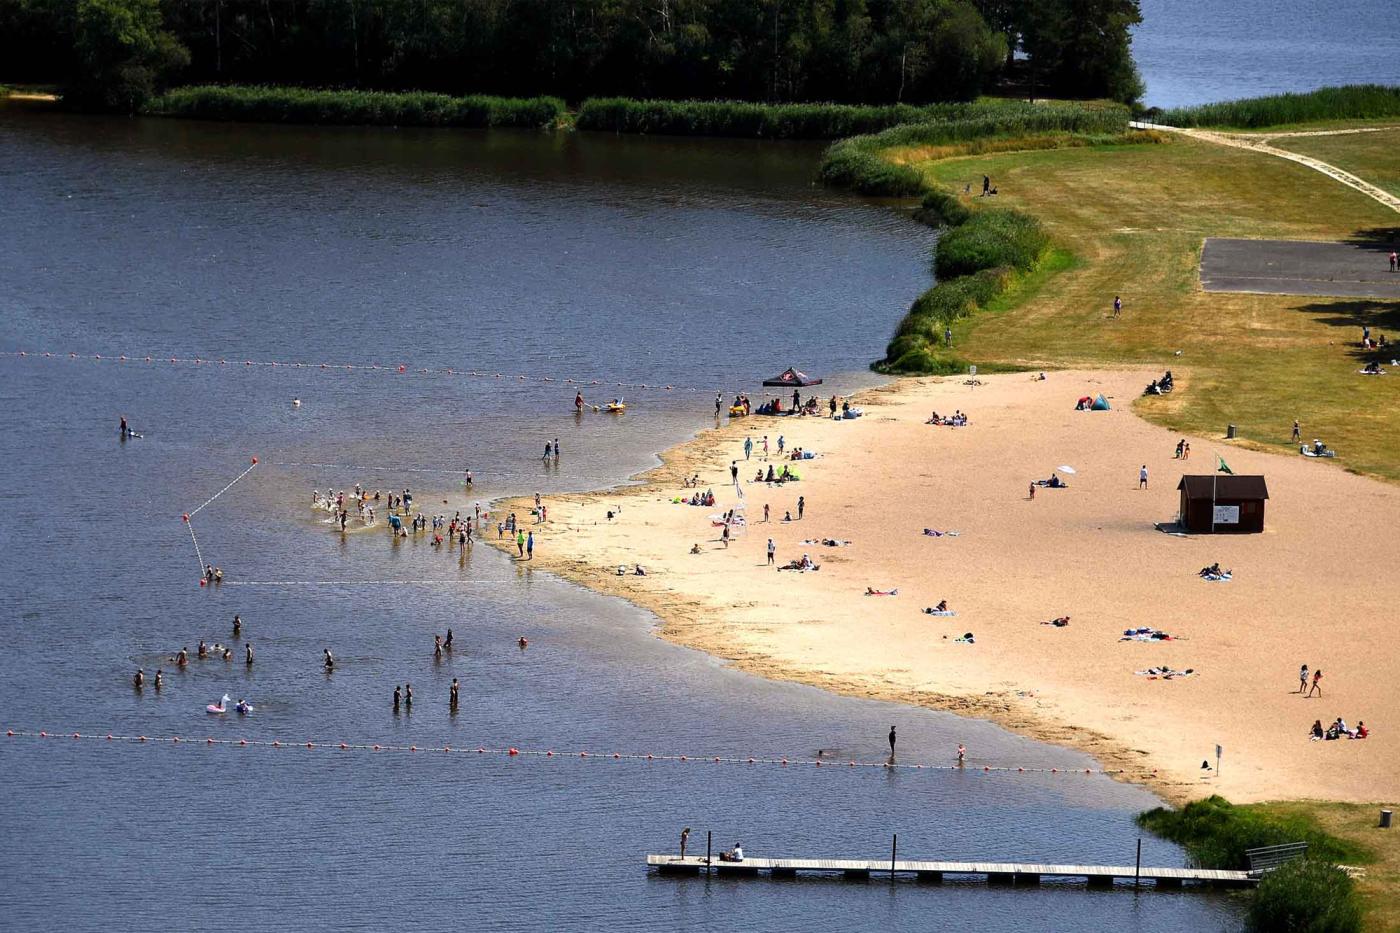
x: 1374, y: 157
x: 1358, y: 823
x: 1135, y: 217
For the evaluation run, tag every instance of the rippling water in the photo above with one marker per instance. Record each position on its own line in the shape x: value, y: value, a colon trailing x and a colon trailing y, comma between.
x: 1198, y: 51
x: 704, y: 264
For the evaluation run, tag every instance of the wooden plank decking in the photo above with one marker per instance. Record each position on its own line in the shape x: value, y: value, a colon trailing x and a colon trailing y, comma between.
x: 993, y: 872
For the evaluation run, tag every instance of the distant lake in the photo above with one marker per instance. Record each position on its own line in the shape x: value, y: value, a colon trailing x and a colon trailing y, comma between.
x: 1198, y: 51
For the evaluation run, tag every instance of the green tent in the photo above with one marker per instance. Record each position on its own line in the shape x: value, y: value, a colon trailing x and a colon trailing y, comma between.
x: 1100, y: 403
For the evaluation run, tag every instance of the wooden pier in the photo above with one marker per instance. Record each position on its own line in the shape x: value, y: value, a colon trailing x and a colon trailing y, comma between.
x: 1006, y: 873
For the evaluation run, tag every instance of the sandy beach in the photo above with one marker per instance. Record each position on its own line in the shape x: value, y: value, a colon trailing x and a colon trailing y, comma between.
x: 1315, y: 587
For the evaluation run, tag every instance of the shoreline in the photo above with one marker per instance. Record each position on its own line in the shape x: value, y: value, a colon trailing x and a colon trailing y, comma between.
x: 751, y: 623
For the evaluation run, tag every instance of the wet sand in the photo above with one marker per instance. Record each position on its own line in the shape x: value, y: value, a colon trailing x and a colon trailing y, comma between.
x: 1315, y: 587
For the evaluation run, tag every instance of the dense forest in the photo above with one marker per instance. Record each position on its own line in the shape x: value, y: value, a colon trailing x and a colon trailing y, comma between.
x: 115, y: 53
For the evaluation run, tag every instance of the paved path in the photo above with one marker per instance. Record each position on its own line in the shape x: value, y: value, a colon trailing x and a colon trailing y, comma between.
x: 1298, y: 267
x: 1263, y: 144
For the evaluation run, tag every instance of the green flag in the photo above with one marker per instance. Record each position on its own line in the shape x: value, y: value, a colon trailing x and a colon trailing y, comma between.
x: 1224, y: 467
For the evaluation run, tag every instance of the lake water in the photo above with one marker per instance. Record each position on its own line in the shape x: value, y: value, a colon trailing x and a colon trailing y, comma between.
x: 1198, y: 51
x: 703, y: 264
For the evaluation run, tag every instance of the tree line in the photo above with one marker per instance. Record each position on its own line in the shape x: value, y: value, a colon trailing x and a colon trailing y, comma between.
x: 114, y: 54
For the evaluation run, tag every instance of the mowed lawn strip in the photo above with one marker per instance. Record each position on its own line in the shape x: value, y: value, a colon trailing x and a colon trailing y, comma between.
x: 1135, y: 218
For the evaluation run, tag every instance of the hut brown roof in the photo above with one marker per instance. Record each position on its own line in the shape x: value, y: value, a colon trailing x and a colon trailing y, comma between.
x: 1224, y: 487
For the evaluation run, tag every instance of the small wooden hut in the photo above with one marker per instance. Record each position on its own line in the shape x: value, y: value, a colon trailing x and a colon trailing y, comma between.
x: 1223, y: 504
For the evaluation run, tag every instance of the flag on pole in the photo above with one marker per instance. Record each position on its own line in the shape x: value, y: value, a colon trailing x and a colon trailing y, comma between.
x: 1223, y: 467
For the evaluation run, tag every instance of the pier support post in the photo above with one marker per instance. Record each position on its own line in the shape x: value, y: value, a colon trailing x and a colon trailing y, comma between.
x: 1001, y: 877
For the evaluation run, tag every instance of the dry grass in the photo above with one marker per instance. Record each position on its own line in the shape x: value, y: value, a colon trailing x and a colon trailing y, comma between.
x: 1135, y: 217
x: 1374, y: 157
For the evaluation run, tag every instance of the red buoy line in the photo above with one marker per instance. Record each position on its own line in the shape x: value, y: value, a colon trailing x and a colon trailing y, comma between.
x: 513, y: 752
x: 390, y: 369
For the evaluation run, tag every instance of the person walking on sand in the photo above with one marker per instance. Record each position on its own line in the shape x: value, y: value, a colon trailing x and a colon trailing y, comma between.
x: 520, y: 544
x: 719, y: 404
x: 1031, y: 497
x: 892, y: 743
x: 724, y: 535
x: 781, y: 443
x: 772, y: 552
x: 734, y: 472
x: 1302, y: 679
x: 1117, y: 305
x: 748, y: 447
x: 530, y: 546
x: 765, y: 512
x: 801, y: 506
x: 765, y: 447
x: 1142, y: 477
x: 1316, y: 683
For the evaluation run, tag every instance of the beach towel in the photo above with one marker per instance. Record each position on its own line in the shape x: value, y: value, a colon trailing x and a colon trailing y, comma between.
x: 872, y: 592
x: 1367, y: 372
x: 1217, y: 577
x: 966, y: 639
x: 945, y: 613
x: 1144, y: 634
x: 934, y: 533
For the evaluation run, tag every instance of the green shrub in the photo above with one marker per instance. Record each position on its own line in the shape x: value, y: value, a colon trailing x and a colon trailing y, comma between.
x: 305, y: 105
x: 1305, y: 896
x: 988, y: 239
x: 1216, y: 833
x: 1351, y: 102
x: 849, y: 164
x: 942, y: 208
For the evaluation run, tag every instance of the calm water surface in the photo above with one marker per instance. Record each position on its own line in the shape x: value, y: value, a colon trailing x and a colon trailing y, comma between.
x: 1198, y: 51
x: 701, y: 264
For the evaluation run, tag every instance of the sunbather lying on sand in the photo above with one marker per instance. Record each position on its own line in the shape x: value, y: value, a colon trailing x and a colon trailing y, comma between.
x: 1054, y: 482
x: 1164, y: 673
x: 1061, y: 622
x: 871, y: 591
x: 804, y: 564
x: 940, y: 610
x: 935, y: 533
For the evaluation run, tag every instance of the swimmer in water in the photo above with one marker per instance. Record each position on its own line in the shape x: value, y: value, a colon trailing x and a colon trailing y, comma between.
x: 160, y: 679
x: 330, y: 661
x: 182, y: 657
x: 408, y: 695
x: 237, y: 626
x: 228, y: 654
x: 248, y: 653
x: 447, y: 642
x: 203, y: 650
x: 522, y: 642
x: 139, y: 680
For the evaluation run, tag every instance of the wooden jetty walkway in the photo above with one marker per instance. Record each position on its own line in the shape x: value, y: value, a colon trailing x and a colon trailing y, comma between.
x: 1024, y: 873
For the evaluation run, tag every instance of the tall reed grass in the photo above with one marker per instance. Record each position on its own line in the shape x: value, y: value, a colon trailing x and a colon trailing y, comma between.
x: 1349, y: 102
x: 754, y: 120
x: 305, y: 105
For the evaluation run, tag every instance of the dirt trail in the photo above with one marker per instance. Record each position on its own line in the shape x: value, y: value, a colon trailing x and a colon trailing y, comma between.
x: 1263, y: 144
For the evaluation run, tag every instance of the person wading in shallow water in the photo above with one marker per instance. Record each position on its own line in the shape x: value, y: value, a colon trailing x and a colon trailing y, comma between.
x: 892, y: 742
